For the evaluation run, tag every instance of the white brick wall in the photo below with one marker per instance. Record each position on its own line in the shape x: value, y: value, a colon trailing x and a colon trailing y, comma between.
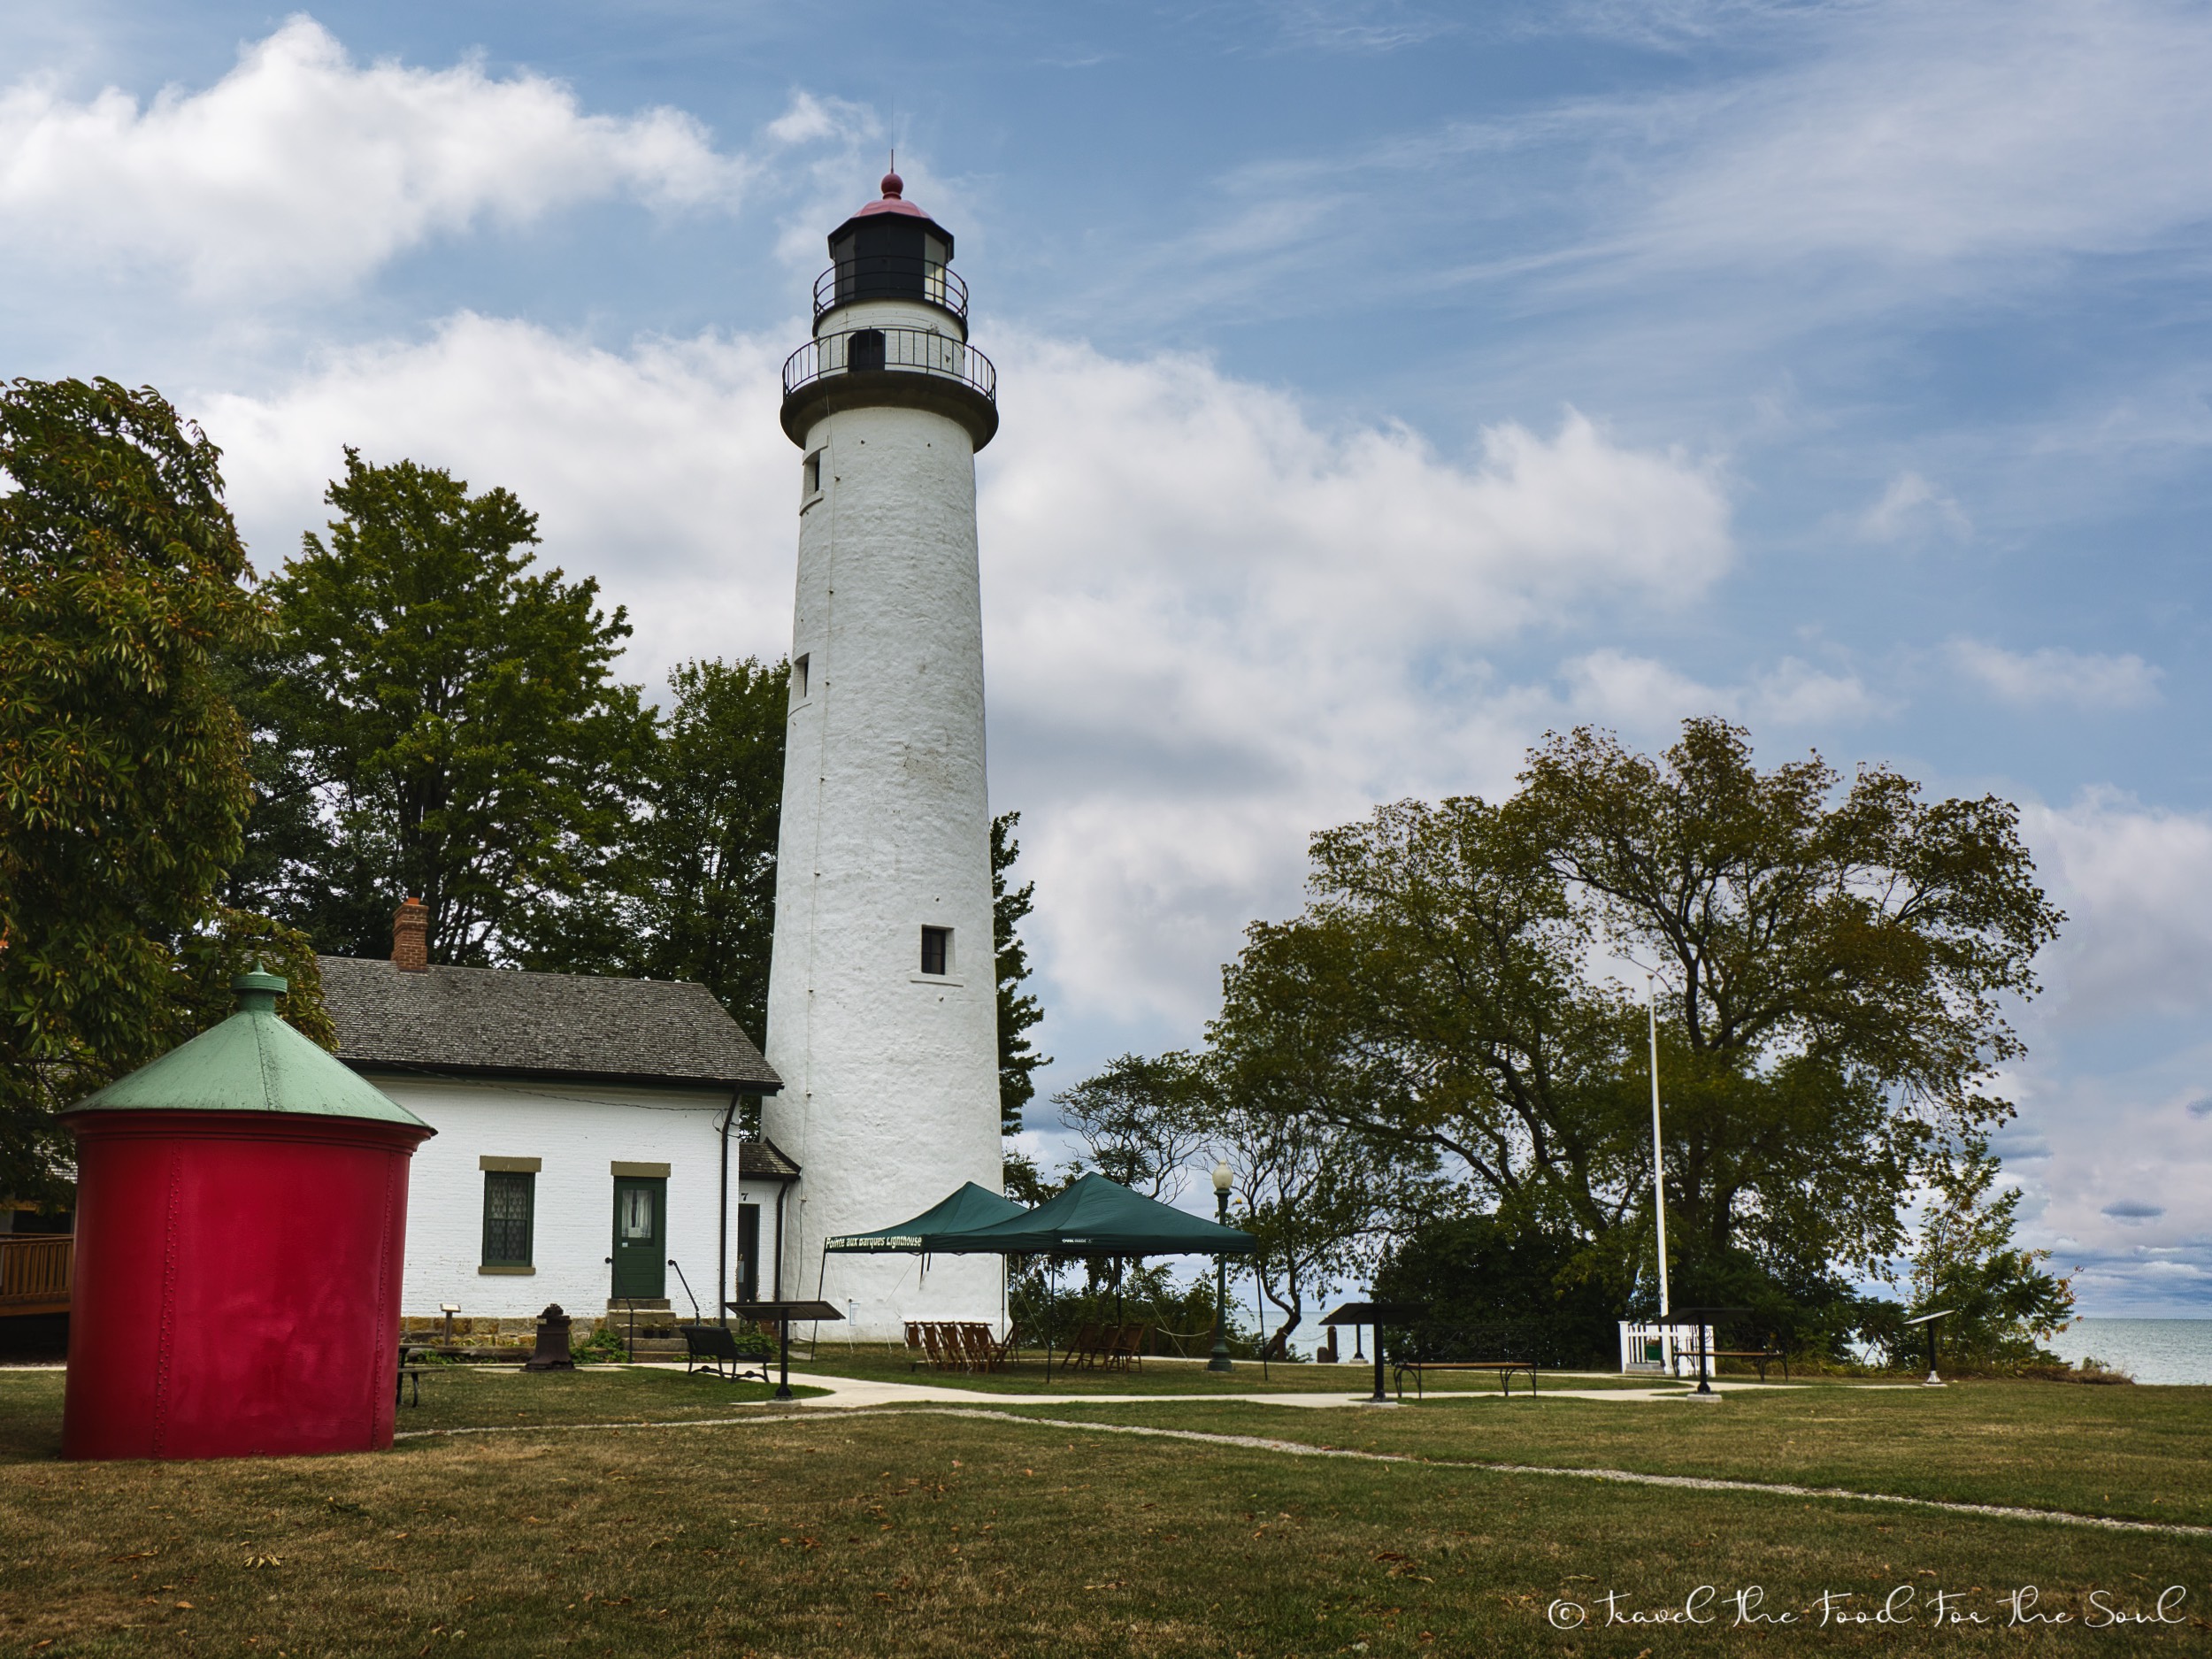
x: 578, y: 1131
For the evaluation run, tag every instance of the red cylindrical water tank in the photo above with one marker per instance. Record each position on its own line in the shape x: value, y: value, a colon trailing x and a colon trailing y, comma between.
x: 242, y: 1221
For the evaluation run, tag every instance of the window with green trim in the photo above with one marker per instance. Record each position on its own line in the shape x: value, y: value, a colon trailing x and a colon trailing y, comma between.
x: 509, y: 1198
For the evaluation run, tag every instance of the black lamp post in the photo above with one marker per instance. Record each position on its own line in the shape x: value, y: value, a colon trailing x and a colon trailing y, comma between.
x: 1223, y: 1177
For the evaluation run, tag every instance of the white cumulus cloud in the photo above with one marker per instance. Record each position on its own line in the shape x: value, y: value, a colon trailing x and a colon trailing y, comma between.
x: 302, y: 169
x: 2055, y: 676
x: 2135, y: 884
x: 1648, y: 698
x: 1211, y: 625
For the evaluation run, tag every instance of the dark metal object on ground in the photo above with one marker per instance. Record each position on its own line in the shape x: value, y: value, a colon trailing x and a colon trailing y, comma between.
x: 1761, y: 1357
x: 410, y: 1379
x: 1704, y: 1318
x: 1929, y: 1319
x: 713, y: 1347
x: 783, y: 1313
x: 1375, y: 1313
x: 552, y: 1350
x: 1505, y: 1368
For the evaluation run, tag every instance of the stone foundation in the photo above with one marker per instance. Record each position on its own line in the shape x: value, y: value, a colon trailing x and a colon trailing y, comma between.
x: 484, y: 1333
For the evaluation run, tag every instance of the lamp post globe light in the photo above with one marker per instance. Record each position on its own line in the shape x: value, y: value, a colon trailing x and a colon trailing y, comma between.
x: 1224, y: 1179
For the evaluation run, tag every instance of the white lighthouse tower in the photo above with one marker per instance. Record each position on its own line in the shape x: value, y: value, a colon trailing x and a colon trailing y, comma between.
x: 883, y: 1005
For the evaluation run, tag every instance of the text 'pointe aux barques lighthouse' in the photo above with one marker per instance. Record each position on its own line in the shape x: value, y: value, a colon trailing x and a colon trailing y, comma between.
x: 882, y: 1003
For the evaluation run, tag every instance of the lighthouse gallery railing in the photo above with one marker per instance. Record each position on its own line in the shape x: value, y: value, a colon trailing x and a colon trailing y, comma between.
x: 890, y: 276
x: 900, y: 350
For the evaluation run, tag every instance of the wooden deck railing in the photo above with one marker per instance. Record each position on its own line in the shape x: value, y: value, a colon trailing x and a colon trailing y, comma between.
x: 34, y: 1273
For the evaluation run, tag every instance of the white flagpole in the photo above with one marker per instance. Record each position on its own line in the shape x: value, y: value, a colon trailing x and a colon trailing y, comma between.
x: 1658, y: 1176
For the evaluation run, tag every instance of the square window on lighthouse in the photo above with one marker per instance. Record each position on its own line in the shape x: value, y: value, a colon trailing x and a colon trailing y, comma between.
x: 810, y: 477
x: 937, y: 951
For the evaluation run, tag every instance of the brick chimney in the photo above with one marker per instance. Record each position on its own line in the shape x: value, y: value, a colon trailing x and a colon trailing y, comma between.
x: 411, y: 937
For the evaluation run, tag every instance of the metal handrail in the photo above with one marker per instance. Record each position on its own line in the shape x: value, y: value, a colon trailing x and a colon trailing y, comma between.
x: 903, y: 350
x: 890, y: 276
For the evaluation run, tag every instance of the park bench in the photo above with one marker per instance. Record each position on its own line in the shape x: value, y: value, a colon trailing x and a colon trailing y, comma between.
x: 407, y: 1387
x: 1761, y: 1357
x: 1419, y: 1368
x: 713, y: 1348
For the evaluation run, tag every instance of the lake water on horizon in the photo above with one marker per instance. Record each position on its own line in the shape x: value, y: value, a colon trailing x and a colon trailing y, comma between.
x: 2149, y: 1350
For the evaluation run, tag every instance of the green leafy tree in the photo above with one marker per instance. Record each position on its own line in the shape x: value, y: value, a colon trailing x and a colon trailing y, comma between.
x: 122, y: 782
x: 705, y: 851
x: 1018, y: 1010
x: 1490, y: 1288
x: 451, y: 710
x: 1140, y: 1121
x: 1321, y: 1200
x: 1832, y: 958
x: 2001, y: 1300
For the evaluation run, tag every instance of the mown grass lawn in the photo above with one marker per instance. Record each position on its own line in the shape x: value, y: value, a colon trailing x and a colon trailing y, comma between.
x: 2143, y: 1454
x: 905, y: 1533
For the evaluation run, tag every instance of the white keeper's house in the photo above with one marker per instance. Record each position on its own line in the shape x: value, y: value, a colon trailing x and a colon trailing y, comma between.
x: 588, y: 1134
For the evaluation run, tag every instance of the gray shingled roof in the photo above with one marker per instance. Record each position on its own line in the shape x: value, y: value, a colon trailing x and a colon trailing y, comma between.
x: 538, y: 1024
x: 766, y: 1159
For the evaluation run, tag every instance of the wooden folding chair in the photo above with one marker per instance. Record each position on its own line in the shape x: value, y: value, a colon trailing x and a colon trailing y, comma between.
x: 1083, y: 1346
x: 976, y: 1339
x: 917, y: 1355
x: 1129, y: 1351
x: 930, y: 1347
x: 952, y: 1345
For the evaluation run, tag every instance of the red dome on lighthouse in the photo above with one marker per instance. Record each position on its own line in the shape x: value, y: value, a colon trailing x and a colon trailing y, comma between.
x: 891, y: 224
x: 894, y: 200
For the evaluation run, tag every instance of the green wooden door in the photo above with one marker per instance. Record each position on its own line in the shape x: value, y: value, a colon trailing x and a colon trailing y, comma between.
x: 641, y: 1229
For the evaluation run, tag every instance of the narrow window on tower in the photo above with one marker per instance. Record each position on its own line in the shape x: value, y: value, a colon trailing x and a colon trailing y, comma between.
x: 810, y: 477
x: 937, y: 951
x: 798, y: 680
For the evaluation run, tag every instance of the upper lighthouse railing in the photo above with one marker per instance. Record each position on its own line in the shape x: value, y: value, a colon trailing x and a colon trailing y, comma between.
x: 907, y: 350
x: 885, y: 276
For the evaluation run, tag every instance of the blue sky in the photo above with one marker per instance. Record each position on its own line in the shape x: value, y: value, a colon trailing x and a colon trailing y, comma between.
x: 1383, y: 384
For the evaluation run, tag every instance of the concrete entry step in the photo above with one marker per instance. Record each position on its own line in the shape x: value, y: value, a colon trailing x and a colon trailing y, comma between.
x: 643, y: 1304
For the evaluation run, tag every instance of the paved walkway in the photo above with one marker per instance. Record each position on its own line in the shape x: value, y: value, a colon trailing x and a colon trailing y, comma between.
x: 858, y: 1394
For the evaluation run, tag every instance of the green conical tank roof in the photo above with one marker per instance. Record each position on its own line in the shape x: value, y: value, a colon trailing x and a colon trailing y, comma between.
x: 253, y: 1062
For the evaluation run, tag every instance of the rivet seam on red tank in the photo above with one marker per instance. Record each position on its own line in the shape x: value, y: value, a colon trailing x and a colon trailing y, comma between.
x: 168, y: 1301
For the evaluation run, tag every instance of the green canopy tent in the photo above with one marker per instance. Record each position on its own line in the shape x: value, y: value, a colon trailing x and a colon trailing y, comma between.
x: 967, y: 1206
x: 964, y: 1210
x: 1095, y: 1216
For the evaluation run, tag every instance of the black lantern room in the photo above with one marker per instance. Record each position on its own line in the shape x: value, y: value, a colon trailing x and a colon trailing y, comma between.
x: 891, y: 250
